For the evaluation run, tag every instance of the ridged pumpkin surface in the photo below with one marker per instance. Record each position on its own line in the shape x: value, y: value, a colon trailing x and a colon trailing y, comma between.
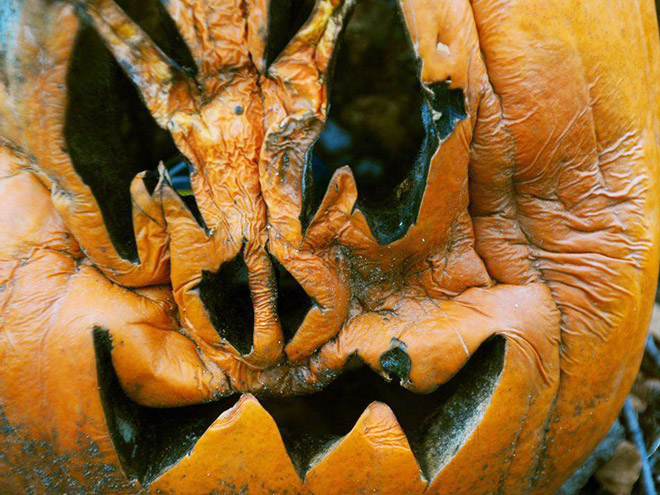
x: 532, y: 246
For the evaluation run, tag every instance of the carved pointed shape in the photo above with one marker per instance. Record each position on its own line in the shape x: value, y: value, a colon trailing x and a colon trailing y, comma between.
x: 241, y: 452
x: 374, y: 457
x: 214, y: 32
x: 154, y: 74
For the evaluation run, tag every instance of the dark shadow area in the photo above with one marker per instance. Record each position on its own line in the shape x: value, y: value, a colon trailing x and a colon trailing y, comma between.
x: 285, y: 18
x: 150, y: 440
x: 147, y: 440
x: 227, y: 299
x: 110, y: 135
x: 380, y: 122
x: 293, y: 303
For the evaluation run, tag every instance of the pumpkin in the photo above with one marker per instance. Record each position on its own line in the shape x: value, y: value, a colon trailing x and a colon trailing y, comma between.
x: 472, y: 327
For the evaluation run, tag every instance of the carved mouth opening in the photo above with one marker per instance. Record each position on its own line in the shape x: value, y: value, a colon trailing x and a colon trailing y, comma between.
x: 148, y: 441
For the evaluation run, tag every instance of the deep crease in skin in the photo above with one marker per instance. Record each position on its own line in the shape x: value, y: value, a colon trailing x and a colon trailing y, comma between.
x: 543, y: 443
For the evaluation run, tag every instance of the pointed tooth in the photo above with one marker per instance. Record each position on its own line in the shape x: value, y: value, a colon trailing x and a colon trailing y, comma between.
x: 374, y: 457
x: 335, y: 209
x: 242, y: 449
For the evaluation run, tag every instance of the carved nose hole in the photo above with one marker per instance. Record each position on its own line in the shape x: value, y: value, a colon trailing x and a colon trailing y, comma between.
x: 293, y: 303
x: 228, y: 302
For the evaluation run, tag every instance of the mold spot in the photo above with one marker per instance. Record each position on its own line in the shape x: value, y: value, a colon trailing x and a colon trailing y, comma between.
x: 396, y: 362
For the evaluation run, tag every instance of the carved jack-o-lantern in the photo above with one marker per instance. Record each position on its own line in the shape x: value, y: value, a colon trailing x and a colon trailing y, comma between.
x: 281, y: 330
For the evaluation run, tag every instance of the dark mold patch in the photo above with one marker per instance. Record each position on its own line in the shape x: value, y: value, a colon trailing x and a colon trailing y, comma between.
x: 110, y: 135
x: 29, y: 466
x: 396, y: 362
x: 228, y: 302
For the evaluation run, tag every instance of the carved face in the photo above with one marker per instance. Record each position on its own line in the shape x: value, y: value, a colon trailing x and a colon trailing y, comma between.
x: 440, y: 285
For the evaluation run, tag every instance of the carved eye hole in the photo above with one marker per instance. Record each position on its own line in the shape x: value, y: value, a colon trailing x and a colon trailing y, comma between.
x: 110, y: 135
x: 374, y: 122
x: 381, y: 122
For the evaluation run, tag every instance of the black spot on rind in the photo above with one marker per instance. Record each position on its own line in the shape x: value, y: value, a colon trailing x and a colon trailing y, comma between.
x: 396, y: 362
x: 147, y: 440
x: 227, y: 299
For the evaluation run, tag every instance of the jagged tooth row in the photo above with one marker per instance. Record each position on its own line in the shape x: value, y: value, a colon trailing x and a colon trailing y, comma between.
x: 242, y: 448
x: 374, y: 455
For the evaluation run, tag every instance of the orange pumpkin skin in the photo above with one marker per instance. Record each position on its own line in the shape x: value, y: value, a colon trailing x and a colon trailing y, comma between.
x: 538, y: 223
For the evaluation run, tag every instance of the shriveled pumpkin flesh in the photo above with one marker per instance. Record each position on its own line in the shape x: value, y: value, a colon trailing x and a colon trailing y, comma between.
x: 538, y: 223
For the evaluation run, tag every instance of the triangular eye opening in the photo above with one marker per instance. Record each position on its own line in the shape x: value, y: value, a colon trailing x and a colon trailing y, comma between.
x: 381, y: 122
x: 110, y: 135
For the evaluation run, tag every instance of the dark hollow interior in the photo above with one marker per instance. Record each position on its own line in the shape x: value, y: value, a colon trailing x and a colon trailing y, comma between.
x: 374, y: 124
x: 109, y: 133
x: 380, y: 122
x: 227, y: 299
x: 150, y: 440
x: 293, y: 303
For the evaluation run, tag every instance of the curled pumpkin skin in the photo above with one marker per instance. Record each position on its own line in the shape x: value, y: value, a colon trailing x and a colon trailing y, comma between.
x: 507, y: 286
